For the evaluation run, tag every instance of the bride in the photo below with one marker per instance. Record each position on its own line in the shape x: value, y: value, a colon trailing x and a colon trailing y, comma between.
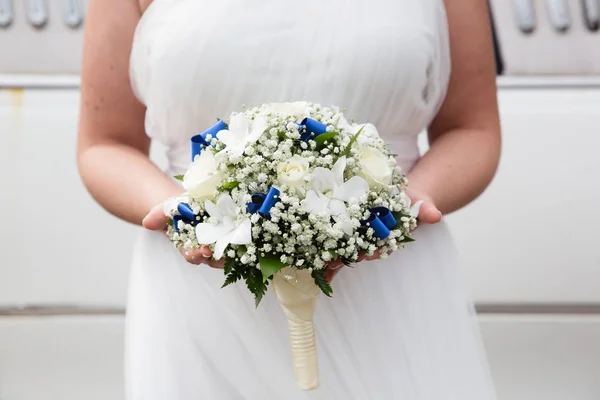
x: 399, y: 328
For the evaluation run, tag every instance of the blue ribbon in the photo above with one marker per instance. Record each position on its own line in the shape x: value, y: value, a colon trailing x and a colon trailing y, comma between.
x: 200, y: 141
x: 186, y: 214
x: 257, y: 201
x: 311, y: 128
x: 382, y: 221
x: 262, y: 204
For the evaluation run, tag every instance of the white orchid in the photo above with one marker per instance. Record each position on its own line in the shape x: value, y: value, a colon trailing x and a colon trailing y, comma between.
x: 329, y: 193
x: 226, y: 228
x: 241, y: 133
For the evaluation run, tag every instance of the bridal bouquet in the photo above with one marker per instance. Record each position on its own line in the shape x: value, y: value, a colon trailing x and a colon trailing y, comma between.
x: 279, y: 191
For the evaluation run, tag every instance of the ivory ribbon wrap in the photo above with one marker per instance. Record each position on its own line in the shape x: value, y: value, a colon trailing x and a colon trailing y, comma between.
x: 297, y: 293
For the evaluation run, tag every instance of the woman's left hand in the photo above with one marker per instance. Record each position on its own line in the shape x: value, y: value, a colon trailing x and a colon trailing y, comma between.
x: 428, y: 214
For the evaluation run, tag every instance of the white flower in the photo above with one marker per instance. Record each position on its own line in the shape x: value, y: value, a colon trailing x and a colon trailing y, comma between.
x: 368, y: 136
x: 292, y: 172
x: 330, y: 193
x: 169, y: 206
x: 240, y: 134
x: 374, y: 166
x: 203, y: 178
x: 226, y: 228
x: 296, y: 109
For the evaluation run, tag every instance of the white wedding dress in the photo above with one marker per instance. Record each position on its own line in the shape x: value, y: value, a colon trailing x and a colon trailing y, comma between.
x: 400, y: 328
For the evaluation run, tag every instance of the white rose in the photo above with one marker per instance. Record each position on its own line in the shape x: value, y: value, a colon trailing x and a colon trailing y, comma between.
x: 202, y: 179
x: 292, y: 172
x: 374, y: 166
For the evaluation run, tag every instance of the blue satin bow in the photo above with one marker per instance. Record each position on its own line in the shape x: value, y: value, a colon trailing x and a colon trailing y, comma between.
x: 262, y: 204
x: 311, y: 128
x: 200, y: 141
x: 382, y: 221
x: 186, y: 214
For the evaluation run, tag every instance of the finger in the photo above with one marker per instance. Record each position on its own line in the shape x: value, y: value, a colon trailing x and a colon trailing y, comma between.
x: 335, y: 264
x: 218, y: 264
x: 155, y: 220
x: 375, y: 256
x: 333, y: 267
x: 193, y: 256
x: 429, y: 214
x: 203, y: 255
x: 331, y: 273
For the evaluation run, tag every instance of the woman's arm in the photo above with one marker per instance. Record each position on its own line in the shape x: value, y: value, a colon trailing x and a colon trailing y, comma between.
x: 113, y: 148
x: 112, y: 151
x: 465, y: 136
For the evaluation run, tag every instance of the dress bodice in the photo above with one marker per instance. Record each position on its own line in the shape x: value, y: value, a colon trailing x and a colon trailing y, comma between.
x: 384, y: 61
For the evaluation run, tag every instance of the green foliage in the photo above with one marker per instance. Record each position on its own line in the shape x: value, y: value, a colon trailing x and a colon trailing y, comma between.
x: 324, y: 137
x: 256, y: 284
x: 252, y: 276
x: 230, y: 185
x: 179, y: 177
x: 269, y: 264
x: 346, y: 151
x: 233, y: 272
x: 321, y: 281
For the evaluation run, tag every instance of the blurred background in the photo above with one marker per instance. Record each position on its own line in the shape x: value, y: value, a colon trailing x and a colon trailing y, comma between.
x: 529, y: 244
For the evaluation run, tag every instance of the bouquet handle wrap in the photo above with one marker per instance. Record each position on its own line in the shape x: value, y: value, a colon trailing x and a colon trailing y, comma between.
x: 297, y: 294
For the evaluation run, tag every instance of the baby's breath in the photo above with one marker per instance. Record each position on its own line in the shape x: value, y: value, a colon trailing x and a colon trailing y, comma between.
x: 289, y: 233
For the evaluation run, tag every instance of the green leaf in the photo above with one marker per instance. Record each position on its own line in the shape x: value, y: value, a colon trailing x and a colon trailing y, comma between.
x: 179, y: 177
x: 232, y: 273
x: 398, y: 216
x: 269, y: 264
x: 256, y: 285
x: 230, y: 185
x: 324, y: 137
x: 347, y: 262
x: 407, y: 240
x: 346, y: 151
x: 170, y: 222
x: 321, y: 281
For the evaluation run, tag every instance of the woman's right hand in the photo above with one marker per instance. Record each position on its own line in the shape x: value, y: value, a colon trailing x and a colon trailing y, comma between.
x: 156, y: 220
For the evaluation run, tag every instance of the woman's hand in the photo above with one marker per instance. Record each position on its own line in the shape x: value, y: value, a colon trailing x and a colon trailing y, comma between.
x: 156, y: 220
x: 428, y: 214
